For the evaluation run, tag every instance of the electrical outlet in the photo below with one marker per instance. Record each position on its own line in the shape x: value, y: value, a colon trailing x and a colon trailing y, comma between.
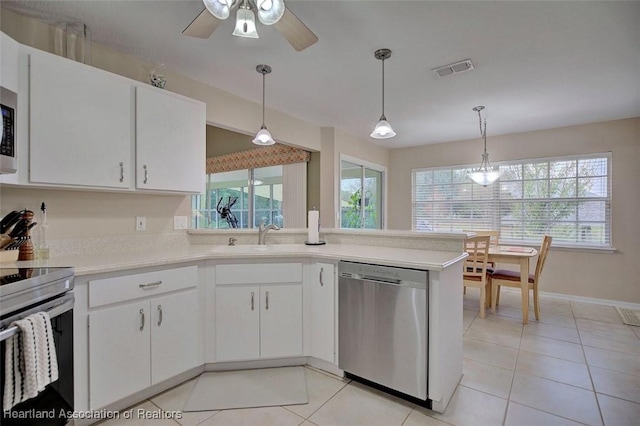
x: 179, y: 223
x: 141, y: 223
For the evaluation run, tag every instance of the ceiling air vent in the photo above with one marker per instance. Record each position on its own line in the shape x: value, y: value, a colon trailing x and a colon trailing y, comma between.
x: 455, y: 68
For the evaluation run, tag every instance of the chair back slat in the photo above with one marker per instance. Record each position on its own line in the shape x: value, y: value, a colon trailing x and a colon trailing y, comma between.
x: 478, y: 250
x: 542, y: 255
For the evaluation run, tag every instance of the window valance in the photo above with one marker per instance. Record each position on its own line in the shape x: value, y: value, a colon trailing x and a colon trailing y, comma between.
x: 263, y: 156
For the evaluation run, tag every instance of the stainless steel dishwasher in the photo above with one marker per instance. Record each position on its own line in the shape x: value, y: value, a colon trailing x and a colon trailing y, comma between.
x: 383, y: 327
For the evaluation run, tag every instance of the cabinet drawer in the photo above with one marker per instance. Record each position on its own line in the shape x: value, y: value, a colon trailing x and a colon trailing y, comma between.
x: 259, y: 273
x: 112, y: 290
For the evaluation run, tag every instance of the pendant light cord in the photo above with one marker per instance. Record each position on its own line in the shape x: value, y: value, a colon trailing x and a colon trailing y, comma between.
x: 483, y: 132
x: 383, y: 116
x: 263, y: 91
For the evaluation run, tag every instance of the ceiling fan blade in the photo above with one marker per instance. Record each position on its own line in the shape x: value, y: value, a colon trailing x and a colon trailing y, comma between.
x: 296, y: 33
x: 203, y: 25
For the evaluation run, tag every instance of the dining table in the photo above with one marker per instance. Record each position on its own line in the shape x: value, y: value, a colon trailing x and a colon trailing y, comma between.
x: 516, y: 255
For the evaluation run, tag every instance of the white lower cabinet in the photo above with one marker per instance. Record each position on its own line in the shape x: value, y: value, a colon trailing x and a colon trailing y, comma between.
x: 258, y: 311
x: 255, y: 322
x: 237, y: 323
x: 119, y: 353
x: 133, y: 345
x: 321, y: 284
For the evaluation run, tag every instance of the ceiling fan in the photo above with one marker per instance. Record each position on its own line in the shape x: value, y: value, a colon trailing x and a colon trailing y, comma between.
x: 270, y: 12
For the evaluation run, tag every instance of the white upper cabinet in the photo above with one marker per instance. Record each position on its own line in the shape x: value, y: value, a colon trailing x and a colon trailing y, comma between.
x: 81, y: 124
x: 170, y: 141
x: 9, y: 63
x: 93, y: 129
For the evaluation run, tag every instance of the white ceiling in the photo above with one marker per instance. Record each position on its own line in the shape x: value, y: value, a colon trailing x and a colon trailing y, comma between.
x: 538, y: 64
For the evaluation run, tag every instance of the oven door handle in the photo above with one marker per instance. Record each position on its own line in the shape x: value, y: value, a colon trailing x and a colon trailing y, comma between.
x: 65, y: 304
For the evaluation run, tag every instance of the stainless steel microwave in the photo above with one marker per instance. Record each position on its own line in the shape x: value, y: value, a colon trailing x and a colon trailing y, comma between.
x: 8, y: 158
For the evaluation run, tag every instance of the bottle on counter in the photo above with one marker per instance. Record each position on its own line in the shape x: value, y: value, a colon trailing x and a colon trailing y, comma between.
x: 42, y: 246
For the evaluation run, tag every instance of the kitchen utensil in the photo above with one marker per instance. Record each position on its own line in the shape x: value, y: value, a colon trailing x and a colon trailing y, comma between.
x: 19, y: 229
x: 9, y: 220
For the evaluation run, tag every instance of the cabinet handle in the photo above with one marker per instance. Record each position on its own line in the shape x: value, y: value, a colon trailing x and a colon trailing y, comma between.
x: 266, y: 296
x: 159, y: 315
x: 321, y: 280
x: 142, y: 319
x: 150, y: 285
x: 121, y: 171
x: 146, y: 174
x: 252, y: 301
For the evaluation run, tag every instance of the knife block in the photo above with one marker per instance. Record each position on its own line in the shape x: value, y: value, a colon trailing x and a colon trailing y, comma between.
x: 26, y: 250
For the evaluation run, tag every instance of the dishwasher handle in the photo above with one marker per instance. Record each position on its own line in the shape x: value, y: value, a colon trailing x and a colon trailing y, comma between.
x: 381, y: 280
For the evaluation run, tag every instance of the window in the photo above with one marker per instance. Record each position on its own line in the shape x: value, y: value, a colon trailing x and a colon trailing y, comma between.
x: 568, y: 198
x: 361, y: 200
x: 249, y: 195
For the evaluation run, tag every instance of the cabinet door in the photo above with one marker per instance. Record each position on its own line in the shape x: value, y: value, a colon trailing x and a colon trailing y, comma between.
x: 280, y: 320
x: 170, y: 142
x: 9, y: 63
x: 322, y: 312
x: 81, y: 124
x: 174, y: 335
x: 237, y: 323
x: 119, y: 353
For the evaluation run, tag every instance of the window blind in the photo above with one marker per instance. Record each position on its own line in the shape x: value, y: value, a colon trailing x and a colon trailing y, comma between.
x: 568, y: 198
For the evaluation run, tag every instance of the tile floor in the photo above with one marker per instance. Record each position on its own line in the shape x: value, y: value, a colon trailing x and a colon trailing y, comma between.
x: 578, y: 365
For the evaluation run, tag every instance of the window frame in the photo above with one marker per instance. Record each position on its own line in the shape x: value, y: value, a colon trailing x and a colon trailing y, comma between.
x: 239, y: 209
x: 383, y: 190
x: 496, y: 220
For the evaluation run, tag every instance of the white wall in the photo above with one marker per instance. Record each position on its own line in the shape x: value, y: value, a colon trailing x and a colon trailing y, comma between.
x: 582, y: 273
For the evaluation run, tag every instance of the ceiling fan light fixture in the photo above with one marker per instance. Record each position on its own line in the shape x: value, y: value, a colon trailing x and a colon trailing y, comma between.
x: 270, y: 11
x: 383, y: 129
x: 485, y: 174
x: 245, y: 23
x: 221, y: 9
x: 263, y: 137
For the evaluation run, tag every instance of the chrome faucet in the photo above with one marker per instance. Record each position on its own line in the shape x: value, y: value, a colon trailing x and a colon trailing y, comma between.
x: 262, y: 231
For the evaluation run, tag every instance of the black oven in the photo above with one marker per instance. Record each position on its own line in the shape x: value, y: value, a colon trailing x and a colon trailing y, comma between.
x: 24, y: 291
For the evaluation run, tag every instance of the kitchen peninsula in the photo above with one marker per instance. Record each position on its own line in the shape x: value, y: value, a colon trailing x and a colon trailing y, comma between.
x: 190, y: 290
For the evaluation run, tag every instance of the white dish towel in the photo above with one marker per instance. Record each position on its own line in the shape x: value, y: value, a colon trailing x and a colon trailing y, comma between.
x: 30, y: 360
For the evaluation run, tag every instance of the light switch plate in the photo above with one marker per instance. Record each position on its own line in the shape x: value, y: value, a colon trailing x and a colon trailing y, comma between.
x: 141, y: 223
x: 179, y: 223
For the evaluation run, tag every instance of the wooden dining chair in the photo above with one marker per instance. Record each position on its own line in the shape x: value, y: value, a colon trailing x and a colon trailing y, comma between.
x: 494, y: 239
x: 474, y: 273
x: 505, y: 277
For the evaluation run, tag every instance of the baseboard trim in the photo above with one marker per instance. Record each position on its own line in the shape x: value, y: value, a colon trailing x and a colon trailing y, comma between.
x: 583, y: 299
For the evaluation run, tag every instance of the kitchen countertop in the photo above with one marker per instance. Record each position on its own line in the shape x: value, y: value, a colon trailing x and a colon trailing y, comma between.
x: 124, y: 260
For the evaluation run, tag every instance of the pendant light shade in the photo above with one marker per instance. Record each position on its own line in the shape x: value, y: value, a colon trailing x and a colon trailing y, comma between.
x: 245, y: 22
x: 383, y: 129
x: 263, y: 137
x: 219, y: 8
x: 270, y: 11
x: 485, y: 174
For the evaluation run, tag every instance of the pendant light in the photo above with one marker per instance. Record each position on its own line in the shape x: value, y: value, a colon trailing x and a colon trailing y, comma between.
x: 263, y: 137
x: 383, y: 129
x: 245, y: 22
x: 484, y: 175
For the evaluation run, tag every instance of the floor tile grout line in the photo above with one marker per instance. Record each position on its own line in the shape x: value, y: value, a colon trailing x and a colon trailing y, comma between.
x: 593, y: 385
x: 513, y: 378
x: 325, y: 403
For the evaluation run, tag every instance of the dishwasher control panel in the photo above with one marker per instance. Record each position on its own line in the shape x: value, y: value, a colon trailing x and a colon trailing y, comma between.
x: 387, y: 274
